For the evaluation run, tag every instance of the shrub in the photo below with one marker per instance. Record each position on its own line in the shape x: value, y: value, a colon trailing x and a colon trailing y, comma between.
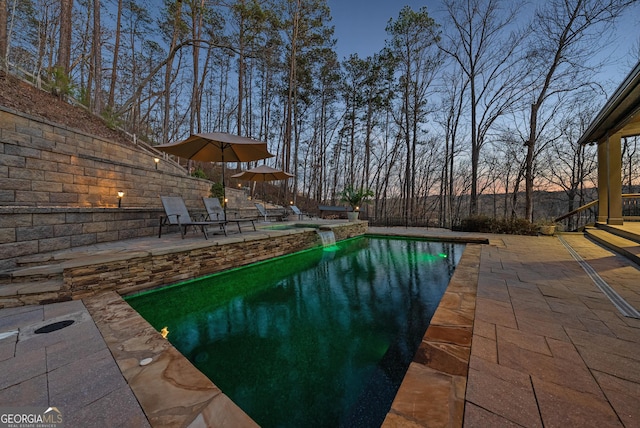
x: 61, y: 85
x: 112, y: 120
x: 217, y: 191
x: 199, y: 173
x: 484, y: 224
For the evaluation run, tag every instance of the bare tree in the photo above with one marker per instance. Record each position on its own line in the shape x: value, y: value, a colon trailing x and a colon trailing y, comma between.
x: 175, y: 18
x: 630, y: 158
x: 479, y: 42
x: 451, y: 112
x: 413, y: 35
x: 568, y: 164
x: 566, y: 35
x: 3, y: 32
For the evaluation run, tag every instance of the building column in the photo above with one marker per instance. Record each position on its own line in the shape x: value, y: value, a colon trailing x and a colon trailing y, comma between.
x: 603, y: 173
x: 614, y: 150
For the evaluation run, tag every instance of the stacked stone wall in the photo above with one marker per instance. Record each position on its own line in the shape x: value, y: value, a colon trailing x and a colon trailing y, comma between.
x: 59, y: 187
x: 135, y: 274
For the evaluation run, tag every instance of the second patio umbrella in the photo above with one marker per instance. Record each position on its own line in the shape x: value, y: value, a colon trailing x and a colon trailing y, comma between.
x: 263, y: 173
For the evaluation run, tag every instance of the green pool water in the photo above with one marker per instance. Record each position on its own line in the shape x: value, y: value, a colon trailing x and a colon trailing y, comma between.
x: 315, y: 339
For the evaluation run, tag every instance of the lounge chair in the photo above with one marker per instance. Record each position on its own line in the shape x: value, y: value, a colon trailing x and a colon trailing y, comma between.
x: 176, y: 214
x: 215, y: 212
x: 268, y: 216
x: 298, y: 212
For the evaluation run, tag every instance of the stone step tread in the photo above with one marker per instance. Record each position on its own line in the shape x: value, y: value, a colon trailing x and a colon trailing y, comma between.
x: 40, y: 270
x: 35, y: 259
x: 56, y: 258
x: 32, y: 274
x: 627, y: 248
x: 618, y: 241
x: 21, y: 288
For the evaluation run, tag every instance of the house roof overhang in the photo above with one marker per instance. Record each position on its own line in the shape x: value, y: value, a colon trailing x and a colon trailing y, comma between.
x: 621, y: 113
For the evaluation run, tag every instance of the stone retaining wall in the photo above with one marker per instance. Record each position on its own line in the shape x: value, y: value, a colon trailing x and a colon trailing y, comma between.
x: 46, y: 164
x: 59, y: 187
x: 33, y: 230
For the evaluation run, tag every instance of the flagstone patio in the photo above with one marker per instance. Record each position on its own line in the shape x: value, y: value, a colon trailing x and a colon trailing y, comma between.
x: 547, y: 348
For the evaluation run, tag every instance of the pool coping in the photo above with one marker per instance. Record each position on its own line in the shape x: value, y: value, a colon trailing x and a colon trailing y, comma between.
x: 433, y: 390
x: 172, y: 392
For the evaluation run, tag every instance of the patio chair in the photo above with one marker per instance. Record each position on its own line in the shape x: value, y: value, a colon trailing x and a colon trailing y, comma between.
x: 176, y: 214
x: 268, y: 216
x: 215, y: 212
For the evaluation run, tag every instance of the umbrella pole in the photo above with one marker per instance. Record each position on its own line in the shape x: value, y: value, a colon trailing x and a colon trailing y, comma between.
x: 264, y: 196
x: 224, y: 189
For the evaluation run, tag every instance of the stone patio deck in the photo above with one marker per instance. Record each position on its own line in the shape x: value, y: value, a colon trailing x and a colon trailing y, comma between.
x: 547, y: 349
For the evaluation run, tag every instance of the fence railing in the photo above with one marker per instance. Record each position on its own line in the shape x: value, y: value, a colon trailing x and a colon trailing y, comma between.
x: 631, y: 206
x: 399, y: 221
x: 588, y: 213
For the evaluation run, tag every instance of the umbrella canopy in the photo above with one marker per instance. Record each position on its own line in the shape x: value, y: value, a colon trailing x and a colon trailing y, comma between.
x: 263, y: 173
x: 218, y: 147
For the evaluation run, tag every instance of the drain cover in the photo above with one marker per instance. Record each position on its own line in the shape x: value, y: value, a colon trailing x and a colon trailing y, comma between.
x: 54, y: 326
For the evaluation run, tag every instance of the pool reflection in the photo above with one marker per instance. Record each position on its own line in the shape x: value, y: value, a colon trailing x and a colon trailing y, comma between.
x: 314, y: 339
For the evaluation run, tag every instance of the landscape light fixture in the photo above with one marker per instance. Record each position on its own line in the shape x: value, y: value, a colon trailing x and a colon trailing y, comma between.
x: 157, y: 161
x: 120, y: 195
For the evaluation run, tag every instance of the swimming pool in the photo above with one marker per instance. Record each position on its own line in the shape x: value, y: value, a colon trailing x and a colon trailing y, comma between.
x: 312, y: 339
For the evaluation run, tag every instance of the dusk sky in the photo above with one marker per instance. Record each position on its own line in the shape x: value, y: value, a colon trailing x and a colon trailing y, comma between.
x: 360, y: 24
x: 360, y: 28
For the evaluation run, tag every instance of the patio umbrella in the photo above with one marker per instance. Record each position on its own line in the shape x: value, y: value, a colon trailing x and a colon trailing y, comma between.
x: 218, y: 147
x: 263, y: 173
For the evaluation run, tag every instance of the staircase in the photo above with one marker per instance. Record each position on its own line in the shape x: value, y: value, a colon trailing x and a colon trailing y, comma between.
x: 32, y: 282
x: 624, y: 240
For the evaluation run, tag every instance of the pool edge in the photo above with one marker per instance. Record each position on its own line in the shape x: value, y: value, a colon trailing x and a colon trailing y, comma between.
x: 432, y: 391
x: 170, y: 390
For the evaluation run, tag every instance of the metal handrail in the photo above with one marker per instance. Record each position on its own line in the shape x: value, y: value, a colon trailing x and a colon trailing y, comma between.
x: 591, y: 204
x: 576, y: 211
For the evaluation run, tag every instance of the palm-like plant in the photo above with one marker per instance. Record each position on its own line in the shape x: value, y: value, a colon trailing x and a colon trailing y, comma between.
x: 355, y: 197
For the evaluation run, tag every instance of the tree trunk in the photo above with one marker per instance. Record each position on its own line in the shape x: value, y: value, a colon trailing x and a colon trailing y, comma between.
x: 241, y: 66
x: 167, y: 74
x: 195, y: 123
x: 531, y: 143
x: 289, y: 109
x: 116, y: 53
x: 64, y: 45
x: 3, y: 32
x: 97, y: 59
x: 475, y: 151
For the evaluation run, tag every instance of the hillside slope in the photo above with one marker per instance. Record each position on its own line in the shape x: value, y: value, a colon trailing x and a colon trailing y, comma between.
x: 23, y: 97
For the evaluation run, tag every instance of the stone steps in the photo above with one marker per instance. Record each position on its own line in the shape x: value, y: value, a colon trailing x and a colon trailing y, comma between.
x: 31, y: 285
x: 7, y: 290
x: 612, y: 240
